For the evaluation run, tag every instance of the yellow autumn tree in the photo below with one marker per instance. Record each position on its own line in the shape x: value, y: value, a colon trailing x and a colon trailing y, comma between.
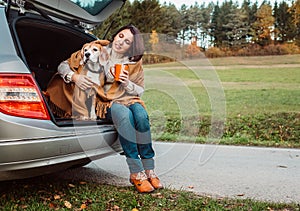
x: 154, y: 40
x: 295, y: 11
x: 262, y: 27
x: 193, y: 50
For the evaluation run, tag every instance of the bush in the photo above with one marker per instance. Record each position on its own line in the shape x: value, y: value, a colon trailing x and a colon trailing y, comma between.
x: 154, y: 59
x: 291, y: 48
x: 214, y: 52
x: 192, y: 51
x: 275, y: 50
x: 254, y: 50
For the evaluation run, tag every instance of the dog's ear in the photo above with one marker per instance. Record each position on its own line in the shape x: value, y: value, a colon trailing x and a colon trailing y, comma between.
x: 103, y: 57
x: 102, y: 42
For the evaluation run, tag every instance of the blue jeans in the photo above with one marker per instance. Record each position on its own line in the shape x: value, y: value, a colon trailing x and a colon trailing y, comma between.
x: 132, y: 124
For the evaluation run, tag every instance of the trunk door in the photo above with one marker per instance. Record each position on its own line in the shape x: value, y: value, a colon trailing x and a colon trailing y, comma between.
x: 86, y: 13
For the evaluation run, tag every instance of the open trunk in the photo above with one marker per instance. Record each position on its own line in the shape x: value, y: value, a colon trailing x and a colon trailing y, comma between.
x: 48, y: 32
x: 44, y: 44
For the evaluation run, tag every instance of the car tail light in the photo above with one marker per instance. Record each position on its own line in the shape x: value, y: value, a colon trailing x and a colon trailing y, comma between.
x: 20, y: 96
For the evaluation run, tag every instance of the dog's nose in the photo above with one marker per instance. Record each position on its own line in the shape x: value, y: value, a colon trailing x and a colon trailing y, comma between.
x: 87, y: 55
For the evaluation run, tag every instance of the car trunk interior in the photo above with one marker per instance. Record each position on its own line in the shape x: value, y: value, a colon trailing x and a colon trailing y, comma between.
x: 43, y: 45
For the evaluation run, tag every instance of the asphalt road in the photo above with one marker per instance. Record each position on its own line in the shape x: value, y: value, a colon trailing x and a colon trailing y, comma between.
x: 268, y: 174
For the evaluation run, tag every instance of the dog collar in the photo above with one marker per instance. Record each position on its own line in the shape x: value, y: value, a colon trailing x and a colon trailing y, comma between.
x: 100, y: 69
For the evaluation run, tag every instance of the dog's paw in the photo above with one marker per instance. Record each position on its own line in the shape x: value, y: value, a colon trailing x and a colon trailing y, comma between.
x: 83, y: 118
x: 93, y: 117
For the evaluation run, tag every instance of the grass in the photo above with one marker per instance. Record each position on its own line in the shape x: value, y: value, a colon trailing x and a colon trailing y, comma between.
x: 225, y: 89
x: 257, y: 60
x: 45, y: 193
x: 241, y: 84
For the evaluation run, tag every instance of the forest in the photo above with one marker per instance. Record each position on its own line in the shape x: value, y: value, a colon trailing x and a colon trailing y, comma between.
x: 240, y: 28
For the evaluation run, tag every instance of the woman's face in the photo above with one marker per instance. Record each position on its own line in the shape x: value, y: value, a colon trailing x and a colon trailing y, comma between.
x: 122, y: 41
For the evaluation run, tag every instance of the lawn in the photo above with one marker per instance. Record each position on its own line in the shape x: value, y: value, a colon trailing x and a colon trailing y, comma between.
x: 224, y: 90
x: 45, y: 193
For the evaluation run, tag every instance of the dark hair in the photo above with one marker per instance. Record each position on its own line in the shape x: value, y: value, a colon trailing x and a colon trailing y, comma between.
x: 136, y: 51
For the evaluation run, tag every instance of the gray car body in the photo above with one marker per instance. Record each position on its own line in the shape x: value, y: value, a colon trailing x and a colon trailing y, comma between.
x: 31, y: 147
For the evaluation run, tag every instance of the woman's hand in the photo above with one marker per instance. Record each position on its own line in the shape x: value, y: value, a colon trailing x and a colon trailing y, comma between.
x: 82, y: 81
x: 124, y: 77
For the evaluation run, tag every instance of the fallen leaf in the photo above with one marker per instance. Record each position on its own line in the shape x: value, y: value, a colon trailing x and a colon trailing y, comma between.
x: 56, y: 197
x: 83, y: 206
x: 71, y: 185
x: 157, y: 195
x: 116, y: 208
x: 68, y: 204
x: 51, y: 205
x: 82, y: 183
x: 241, y: 194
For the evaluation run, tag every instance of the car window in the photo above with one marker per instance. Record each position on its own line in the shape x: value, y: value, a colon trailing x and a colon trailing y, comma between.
x: 94, y: 7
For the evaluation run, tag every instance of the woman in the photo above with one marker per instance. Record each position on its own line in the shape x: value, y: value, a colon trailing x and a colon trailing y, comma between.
x: 120, y: 102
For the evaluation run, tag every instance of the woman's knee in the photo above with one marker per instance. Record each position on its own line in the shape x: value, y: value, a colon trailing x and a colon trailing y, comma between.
x: 139, y: 112
x: 141, y: 119
x: 121, y: 115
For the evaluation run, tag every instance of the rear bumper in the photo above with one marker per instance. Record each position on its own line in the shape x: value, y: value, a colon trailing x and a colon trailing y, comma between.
x: 43, y: 149
x: 21, y: 160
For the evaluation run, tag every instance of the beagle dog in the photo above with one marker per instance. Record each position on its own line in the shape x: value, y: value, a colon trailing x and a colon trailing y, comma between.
x: 93, y: 58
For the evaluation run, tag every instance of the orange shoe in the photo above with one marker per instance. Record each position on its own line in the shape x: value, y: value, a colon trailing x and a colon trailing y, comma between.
x: 153, y: 179
x: 141, y: 183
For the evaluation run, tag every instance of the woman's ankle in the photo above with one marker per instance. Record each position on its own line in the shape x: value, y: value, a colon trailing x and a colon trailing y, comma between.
x: 138, y: 175
x: 150, y: 173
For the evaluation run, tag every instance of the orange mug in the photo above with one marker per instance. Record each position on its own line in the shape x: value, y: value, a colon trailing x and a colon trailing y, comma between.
x: 118, y: 70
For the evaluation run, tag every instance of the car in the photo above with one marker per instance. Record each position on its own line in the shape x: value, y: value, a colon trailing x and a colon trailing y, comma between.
x: 35, y: 36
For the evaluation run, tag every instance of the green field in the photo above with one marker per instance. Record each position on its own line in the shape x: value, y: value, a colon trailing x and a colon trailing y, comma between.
x: 226, y: 90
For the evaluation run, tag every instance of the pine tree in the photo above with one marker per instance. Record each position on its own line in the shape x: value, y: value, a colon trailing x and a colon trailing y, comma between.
x: 216, y: 26
x: 295, y: 12
x: 237, y: 29
x: 184, y: 23
x: 284, y: 28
